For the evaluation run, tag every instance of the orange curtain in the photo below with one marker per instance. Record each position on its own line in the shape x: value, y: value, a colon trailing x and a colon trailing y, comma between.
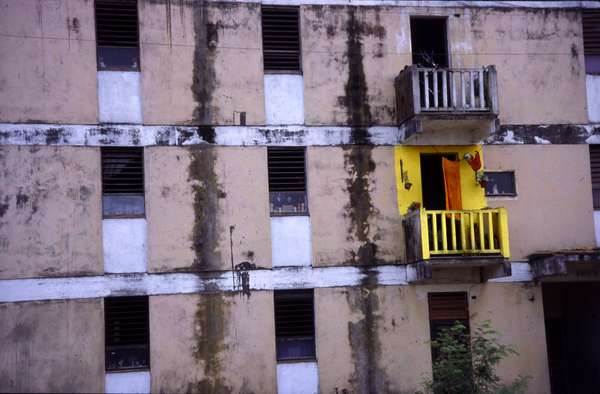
x: 452, y: 183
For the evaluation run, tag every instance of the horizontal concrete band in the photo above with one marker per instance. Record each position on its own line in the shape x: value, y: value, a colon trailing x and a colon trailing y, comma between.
x: 438, y: 3
x: 285, y: 135
x: 15, y: 290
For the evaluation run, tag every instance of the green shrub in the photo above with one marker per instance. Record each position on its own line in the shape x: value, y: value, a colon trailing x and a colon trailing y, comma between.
x: 466, y: 364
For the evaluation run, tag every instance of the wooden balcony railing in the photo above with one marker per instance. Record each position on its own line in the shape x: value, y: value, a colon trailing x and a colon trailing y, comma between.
x: 474, y: 232
x: 422, y: 90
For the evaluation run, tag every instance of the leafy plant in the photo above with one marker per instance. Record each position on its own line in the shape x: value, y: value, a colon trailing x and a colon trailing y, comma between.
x: 466, y: 363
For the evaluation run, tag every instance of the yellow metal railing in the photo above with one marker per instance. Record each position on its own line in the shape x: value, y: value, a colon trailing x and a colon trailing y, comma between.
x: 483, y: 231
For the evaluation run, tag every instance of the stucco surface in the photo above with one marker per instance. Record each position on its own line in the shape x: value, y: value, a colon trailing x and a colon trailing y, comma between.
x: 50, y: 211
x: 553, y: 208
x: 393, y: 354
x: 221, y: 343
x: 191, y: 57
x: 48, y: 72
x: 194, y: 196
x: 52, y: 346
x: 352, y: 195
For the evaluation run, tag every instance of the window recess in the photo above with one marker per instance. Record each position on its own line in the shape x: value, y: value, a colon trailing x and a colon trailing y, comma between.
x: 591, y: 40
x: 127, y: 333
x: 294, y: 324
x: 595, y: 172
x: 500, y: 184
x: 281, y: 39
x: 445, y: 309
x: 117, y: 35
x: 429, y: 42
x: 122, y: 182
x: 287, y: 181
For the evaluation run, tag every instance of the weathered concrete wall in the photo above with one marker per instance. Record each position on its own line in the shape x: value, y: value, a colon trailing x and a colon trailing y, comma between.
x: 194, y: 196
x: 52, y: 346
x: 539, y: 59
x: 376, y: 339
x: 48, y: 68
x: 201, y: 62
x: 350, y: 56
x: 50, y: 211
x: 354, y: 214
x: 222, y: 343
x: 553, y: 208
x: 371, y: 339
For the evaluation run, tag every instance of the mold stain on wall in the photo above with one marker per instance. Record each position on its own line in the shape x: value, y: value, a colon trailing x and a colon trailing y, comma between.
x: 206, y: 192
x: 358, y: 161
x: 363, y: 335
x: 212, y: 319
x: 206, y: 38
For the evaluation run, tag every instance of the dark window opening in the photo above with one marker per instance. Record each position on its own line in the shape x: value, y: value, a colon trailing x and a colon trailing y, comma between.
x: 571, y: 311
x: 294, y: 324
x: 445, y: 310
x: 287, y: 181
x: 281, y: 39
x: 591, y: 40
x: 429, y: 42
x: 127, y: 333
x: 500, y: 183
x: 123, y: 182
x: 432, y: 180
x: 117, y: 35
x: 595, y: 173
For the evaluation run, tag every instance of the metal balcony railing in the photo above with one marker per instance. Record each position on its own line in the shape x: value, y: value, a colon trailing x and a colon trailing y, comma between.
x: 472, y: 232
x: 421, y: 90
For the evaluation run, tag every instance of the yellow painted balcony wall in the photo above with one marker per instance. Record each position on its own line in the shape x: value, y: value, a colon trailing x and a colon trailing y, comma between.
x: 472, y: 195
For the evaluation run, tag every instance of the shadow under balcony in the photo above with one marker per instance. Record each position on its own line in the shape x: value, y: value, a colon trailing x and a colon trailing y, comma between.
x: 446, y: 241
x: 446, y: 106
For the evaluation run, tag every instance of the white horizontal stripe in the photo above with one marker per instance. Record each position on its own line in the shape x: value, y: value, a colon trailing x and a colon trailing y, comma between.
x: 15, y: 290
x: 141, y: 135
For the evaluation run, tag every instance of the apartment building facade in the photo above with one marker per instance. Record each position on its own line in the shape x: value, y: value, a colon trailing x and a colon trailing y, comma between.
x: 295, y: 196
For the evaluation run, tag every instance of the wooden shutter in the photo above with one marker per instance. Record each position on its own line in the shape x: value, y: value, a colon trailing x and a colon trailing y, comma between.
x: 448, y: 306
x: 126, y: 332
x: 287, y: 171
x: 116, y: 23
x: 122, y: 171
x: 294, y: 324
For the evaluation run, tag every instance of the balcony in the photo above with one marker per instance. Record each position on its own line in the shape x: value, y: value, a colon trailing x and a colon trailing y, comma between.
x: 446, y: 106
x: 441, y: 239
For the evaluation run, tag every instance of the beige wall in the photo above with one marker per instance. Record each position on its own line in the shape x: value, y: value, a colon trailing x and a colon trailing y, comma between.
x: 553, y: 208
x: 221, y: 343
x: 539, y: 59
x: 48, y: 68
x: 50, y: 211
x: 194, y: 195
x: 351, y: 197
x: 385, y: 330
x: 192, y: 73
x: 201, y: 63
x: 52, y: 346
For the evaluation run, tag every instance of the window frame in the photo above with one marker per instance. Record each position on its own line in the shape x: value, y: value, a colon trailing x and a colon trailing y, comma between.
x: 288, y: 295
x: 446, y: 20
x: 137, y: 47
x: 108, y: 215
x: 514, y: 182
x: 298, y: 213
x: 299, y: 71
x: 107, y: 301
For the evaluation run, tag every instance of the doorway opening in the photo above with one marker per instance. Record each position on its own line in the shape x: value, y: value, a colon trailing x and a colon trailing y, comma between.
x: 429, y: 42
x: 432, y: 180
x: 572, y: 320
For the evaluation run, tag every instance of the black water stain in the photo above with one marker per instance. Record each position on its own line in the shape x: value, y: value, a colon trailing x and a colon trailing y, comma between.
x: 368, y: 376
x: 206, y: 38
x: 207, y: 133
x: 206, y: 192
x: 212, y: 320
x: 22, y: 200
